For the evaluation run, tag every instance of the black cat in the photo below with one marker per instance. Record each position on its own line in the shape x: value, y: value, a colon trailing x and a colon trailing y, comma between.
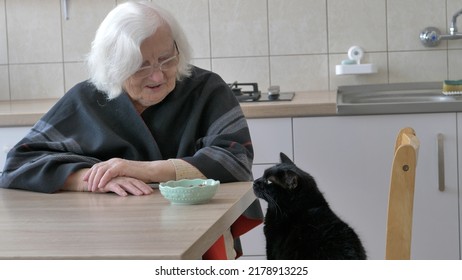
x: 299, y: 223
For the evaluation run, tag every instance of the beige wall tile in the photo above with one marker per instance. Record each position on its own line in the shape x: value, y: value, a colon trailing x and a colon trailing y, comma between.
x: 293, y: 43
x: 34, y: 31
x: 356, y: 23
x: 204, y: 63
x: 300, y: 72
x: 79, y: 30
x: 239, y: 28
x: 3, y: 45
x: 422, y: 66
x: 193, y: 16
x: 4, y: 84
x: 244, y: 70
x: 123, y: 1
x: 36, y: 81
x: 297, y: 27
x: 74, y: 72
x: 406, y: 19
x: 455, y: 64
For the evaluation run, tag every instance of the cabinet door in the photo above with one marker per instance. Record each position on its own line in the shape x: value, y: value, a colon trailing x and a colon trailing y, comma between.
x: 351, y: 156
x: 254, y: 241
x: 459, y: 145
x: 9, y: 136
x: 269, y: 138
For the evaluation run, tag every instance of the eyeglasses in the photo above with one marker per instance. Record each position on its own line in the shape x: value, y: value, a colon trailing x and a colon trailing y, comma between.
x: 165, y: 65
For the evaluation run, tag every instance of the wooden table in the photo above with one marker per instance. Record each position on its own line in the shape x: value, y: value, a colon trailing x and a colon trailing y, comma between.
x: 69, y: 225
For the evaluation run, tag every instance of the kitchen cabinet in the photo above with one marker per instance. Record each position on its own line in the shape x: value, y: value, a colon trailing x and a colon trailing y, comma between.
x: 9, y: 136
x: 351, y: 156
x: 459, y: 149
x: 269, y: 137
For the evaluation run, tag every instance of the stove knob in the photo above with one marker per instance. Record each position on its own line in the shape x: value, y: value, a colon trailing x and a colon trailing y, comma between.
x: 273, y: 92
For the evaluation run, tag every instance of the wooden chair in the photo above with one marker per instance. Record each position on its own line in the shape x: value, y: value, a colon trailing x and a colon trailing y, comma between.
x: 401, y: 196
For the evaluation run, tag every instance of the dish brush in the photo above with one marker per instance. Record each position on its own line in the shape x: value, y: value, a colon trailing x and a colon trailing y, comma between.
x: 452, y: 87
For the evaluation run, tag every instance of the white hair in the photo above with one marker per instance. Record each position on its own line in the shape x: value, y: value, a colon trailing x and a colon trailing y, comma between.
x: 115, y: 52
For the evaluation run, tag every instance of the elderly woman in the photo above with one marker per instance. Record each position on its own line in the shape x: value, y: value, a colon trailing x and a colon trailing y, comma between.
x: 145, y: 115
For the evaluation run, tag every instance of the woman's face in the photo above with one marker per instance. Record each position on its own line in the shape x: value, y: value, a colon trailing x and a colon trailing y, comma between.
x: 151, y: 89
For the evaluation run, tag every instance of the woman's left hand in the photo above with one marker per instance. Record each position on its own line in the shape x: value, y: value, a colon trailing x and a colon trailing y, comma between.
x: 100, y: 174
x: 126, y: 185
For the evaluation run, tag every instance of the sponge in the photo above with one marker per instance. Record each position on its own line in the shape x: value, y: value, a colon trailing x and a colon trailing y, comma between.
x: 452, y: 87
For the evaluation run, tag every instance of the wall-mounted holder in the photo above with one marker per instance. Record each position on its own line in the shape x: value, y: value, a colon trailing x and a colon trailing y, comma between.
x: 353, y: 66
x: 355, y: 69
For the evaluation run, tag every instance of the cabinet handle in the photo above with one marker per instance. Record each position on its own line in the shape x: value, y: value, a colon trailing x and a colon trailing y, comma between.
x: 65, y: 11
x: 441, y: 183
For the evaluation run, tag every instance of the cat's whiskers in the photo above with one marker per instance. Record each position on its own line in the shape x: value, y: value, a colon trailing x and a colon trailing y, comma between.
x: 272, y: 201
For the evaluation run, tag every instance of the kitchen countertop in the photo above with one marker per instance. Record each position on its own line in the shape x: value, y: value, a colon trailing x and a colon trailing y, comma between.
x: 28, y: 112
x: 310, y: 103
x: 25, y: 112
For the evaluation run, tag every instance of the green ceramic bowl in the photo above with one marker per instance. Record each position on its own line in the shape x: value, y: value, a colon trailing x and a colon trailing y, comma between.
x: 194, y: 191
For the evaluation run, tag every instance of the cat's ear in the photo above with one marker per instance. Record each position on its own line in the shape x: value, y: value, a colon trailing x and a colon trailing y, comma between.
x: 291, y: 180
x: 285, y: 159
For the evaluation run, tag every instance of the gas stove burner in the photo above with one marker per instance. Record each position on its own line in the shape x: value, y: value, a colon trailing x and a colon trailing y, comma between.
x: 252, y: 94
x: 245, y: 95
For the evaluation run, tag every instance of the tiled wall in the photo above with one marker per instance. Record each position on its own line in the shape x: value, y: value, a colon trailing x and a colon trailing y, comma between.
x: 292, y: 43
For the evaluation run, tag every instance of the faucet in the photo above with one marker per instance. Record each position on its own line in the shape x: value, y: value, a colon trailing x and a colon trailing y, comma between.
x: 453, y: 27
x: 431, y: 36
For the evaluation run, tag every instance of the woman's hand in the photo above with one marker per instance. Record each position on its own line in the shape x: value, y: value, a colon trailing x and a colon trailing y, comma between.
x: 120, y: 185
x: 124, y: 186
x: 100, y: 174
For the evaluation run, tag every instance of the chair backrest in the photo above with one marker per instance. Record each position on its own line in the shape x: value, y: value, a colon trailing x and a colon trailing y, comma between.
x: 401, y: 196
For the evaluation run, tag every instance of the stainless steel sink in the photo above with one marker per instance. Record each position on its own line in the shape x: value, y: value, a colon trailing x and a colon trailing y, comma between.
x: 396, y: 98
